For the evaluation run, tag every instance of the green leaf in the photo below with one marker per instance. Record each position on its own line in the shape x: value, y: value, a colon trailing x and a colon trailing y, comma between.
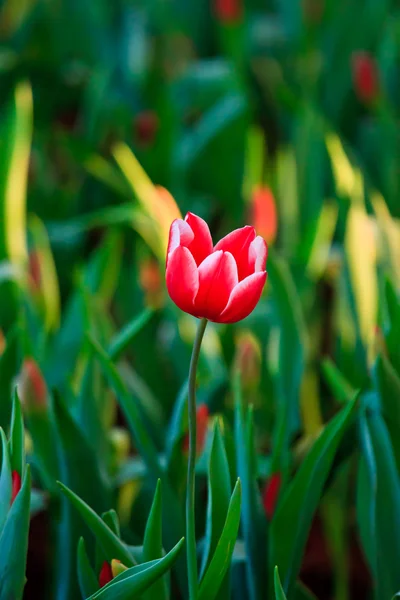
x: 221, y: 559
x: 5, y: 481
x: 110, y: 518
x: 378, y: 499
x: 219, y: 492
x: 292, y: 346
x: 279, y: 593
x: 124, y: 337
x: 340, y: 387
x: 152, y: 546
x: 133, y: 582
x: 254, y: 524
x: 17, y: 438
x: 130, y: 409
x: 9, y: 364
x: 87, y: 579
x: 389, y: 391
x: 110, y: 543
x: 297, y: 507
x: 15, y: 536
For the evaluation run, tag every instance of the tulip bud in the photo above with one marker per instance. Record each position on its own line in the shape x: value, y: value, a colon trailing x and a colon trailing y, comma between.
x: 271, y: 493
x: 202, y: 416
x: 313, y: 11
x: 263, y: 213
x: 228, y: 11
x: 117, y: 567
x: 105, y: 575
x: 146, y: 125
x: 32, y: 387
x: 15, y: 485
x: 150, y: 281
x: 365, y: 77
x: 2, y: 342
x: 35, y: 277
x: 248, y: 359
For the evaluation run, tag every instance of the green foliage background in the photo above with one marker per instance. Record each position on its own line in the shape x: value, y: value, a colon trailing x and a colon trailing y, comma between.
x: 100, y: 102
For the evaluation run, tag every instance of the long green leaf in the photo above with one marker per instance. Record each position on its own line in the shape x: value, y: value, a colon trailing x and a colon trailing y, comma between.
x: 221, y: 559
x: 133, y: 582
x: 219, y: 492
x: 152, y: 546
x: 87, y: 579
x: 111, y: 544
x: 279, y: 593
x: 15, y: 536
x: 297, y: 507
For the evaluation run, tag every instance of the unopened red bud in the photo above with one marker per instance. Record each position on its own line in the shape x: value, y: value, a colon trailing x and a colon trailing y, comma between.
x: 248, y: 359
x: 105, y: 575
x: 263, y: 213
x: 365, y: 76
x: 202, y: 417
x: 271, y: 493
x: 117, y: 567
x: 2, y: 342
x: 146, y: 125
x: 15, y: 485
x: 32, y: 387
x: 34, y: 270
x: 228, y: 11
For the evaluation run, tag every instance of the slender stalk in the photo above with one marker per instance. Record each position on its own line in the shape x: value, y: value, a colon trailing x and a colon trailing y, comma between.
x: 190, y: 491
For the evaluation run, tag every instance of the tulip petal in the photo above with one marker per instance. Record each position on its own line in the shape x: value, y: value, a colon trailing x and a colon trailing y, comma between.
x: 180, y: 234
x: 237, y: 243
x: 217, y: 278
x: 201, y: 245
x: 182, y: 279
x: 258, y: 255
x: 244, y: 298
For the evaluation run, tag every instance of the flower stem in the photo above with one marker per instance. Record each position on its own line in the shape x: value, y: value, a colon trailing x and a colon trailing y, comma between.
x: 190, y: 491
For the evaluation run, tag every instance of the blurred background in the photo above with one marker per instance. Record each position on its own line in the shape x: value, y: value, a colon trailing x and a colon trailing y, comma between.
x: 118, y: 116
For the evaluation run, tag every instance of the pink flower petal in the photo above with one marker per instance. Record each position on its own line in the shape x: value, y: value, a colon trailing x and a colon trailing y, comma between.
x: 180, y: 234
x: 237, y: 243
x: 217, y: 278
x: 244, y: 298
x: 258, y: 255
x: 182, y: 278
x: 201, y: 245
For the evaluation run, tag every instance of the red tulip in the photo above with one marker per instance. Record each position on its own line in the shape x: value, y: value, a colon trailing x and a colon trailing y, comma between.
x: 365, y: 76
x: 271, y: 493
x: 221, y: 283
x: 106, y: 574
x: 15, y: 485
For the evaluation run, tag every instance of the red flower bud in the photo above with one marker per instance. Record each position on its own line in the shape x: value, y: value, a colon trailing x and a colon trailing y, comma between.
x: 2, y: 342
x: 105, y: 575
x: 228, y: 11
x: 365, y: 76
x: 150, y: 281
x: 146, y: 125
x: 34, y: 271
x: 263, y: 213
x: 15, y: 485
x: 248, y: 358
x: 271, y: 493
x: 221, y: 283
x: 202, y: 415
x: 32, y: 387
